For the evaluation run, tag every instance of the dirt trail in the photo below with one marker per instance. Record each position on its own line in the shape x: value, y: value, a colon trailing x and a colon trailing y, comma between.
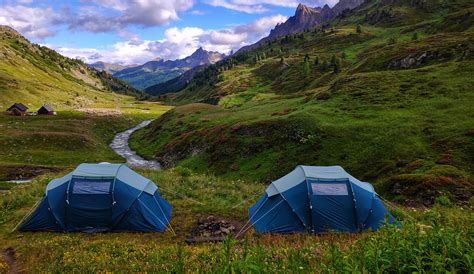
x: 9, y: 256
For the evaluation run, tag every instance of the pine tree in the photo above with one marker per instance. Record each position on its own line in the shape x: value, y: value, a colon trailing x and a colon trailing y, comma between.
x: 333, y: 59
x: 323, y: 66
x: 359, y: 29
x: 337, y: 66
x: 306, y: 68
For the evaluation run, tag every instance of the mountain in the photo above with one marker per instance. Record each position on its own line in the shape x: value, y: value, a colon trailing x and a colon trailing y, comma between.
x: 34, y: 74
x: 109, y: 67
x: 158, y: 71
x: 384, y: 90
x: 175, y: 84
x: 306, y: 18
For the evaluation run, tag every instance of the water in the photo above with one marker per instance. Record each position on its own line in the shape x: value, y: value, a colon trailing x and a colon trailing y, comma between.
x: 20, y: 181
x: 121, y: 147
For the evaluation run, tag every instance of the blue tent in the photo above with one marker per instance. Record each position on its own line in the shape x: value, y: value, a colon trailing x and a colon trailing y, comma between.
x: 100, y: 197
x: 318, y: 199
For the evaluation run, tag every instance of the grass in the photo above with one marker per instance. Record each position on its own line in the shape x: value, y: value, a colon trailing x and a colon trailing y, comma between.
x: 58, y: 142
x: 432, y: 240
x: 385, y: 123
x: 7, y: 185
x: 35, y: 75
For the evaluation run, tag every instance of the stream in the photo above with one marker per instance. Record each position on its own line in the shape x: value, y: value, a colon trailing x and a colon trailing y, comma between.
x: 121, y: 147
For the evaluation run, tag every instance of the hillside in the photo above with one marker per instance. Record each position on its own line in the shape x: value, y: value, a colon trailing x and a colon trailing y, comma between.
x: 175, y: 84
x: 384, y: 90
x: 34, y: 75
x: 158, y: 71
x: 108, y: 67
x: 305, y: 18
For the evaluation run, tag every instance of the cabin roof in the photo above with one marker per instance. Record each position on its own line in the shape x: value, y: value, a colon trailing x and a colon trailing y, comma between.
x: 18, y: 106
x: 47, y: 107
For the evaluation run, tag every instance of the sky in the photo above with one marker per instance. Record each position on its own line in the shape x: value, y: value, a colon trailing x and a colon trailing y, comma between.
x: 136, y: 31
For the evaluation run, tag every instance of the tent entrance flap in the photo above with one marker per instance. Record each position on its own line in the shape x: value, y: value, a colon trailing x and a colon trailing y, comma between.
x: 333, y: 206
x: 90, y: 204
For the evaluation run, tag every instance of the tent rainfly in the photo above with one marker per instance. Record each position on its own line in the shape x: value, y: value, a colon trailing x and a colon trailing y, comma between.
x: 317, y: 199
x: 100, y: 197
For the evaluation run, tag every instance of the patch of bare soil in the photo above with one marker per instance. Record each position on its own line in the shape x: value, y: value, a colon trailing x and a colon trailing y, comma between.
x: 212, y: 229
x: 9, y: 256
x: 22, y: 172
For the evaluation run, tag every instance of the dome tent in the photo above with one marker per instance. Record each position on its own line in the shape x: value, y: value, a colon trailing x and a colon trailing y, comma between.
x: 318, y: 199
x: 100, y: 197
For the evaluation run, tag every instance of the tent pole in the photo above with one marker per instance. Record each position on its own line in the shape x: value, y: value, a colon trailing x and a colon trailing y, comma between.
x: 250, y: 219
x: 259, y: 218
x: 26, y: 216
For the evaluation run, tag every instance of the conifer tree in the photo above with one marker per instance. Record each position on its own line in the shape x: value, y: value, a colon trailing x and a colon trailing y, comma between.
x: 333, y: 59
x: 337, y: 66
x: 316, y: 61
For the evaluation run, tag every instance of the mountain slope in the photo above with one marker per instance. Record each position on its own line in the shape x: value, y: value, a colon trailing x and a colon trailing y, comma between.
x: 108, y: 67
x: 35, y: 75
x: 175, y: 84
x: 155, y: 72
x: 390, y: 102
x: 305, y: 18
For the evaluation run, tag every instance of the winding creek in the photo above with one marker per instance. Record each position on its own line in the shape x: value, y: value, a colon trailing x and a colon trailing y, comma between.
x: 121, y: 147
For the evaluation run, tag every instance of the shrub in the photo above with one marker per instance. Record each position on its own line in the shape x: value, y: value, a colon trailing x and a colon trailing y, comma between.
x: 183, y: 171
x: 443, y: 201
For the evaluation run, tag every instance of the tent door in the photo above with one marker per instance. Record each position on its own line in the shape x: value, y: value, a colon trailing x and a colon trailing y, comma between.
x: 332, y: 205
x: 90, y: 205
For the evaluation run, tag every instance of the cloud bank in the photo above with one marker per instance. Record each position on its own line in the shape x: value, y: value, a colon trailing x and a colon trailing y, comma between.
x: 177, y: 43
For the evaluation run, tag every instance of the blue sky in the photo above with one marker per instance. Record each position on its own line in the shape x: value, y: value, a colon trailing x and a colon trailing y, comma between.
x: 135, y: 31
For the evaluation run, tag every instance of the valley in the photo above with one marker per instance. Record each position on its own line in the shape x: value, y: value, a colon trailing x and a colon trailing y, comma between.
x: 383, y: 88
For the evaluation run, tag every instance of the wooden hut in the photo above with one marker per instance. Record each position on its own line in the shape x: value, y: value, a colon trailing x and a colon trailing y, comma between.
x: 17, y: 109
x: 46, y: 110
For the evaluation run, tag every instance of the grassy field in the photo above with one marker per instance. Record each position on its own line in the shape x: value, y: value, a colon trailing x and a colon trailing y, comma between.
x: 391, y: 104
x: 434, y: 240
x: 35, y: 75
x: 408, y: 129
x: 33, y: 145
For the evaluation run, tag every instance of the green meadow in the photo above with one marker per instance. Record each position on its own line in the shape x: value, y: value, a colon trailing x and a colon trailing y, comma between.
x: 391, y: 103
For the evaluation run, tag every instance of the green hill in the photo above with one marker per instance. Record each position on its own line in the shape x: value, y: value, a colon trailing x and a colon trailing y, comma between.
x: 34, y: 75
x: 384, y: 90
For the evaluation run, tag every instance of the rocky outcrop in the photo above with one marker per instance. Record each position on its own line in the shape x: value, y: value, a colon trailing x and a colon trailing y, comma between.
x: 306, y: 18
x: 420, y: 58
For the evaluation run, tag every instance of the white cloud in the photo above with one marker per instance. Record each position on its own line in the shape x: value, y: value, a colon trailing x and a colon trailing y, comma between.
x: 198, y: 12
x: 261, y: 6
x: 145, y: 13
x: 93, y: 16
x: 32, y: 22
x: 178, y: 43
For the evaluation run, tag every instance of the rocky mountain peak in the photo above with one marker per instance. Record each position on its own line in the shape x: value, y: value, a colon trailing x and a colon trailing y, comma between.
x: 306, y: 17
